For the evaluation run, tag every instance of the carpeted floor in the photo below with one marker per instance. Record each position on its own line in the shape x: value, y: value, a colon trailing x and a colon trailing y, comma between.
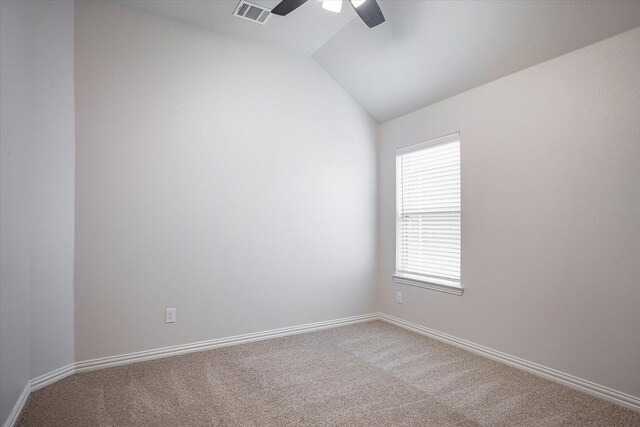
x: 361, y: 375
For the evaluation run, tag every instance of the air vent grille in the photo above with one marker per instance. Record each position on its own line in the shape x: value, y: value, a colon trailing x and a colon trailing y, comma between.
x: 252, y: 12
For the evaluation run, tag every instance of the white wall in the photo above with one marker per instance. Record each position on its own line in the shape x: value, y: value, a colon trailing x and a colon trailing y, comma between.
x: 227, y: 179
x: 14, y: 237
x: 187, y: 145
x: 36, y: 193
x: 551, y: 214
x: 52, y: 178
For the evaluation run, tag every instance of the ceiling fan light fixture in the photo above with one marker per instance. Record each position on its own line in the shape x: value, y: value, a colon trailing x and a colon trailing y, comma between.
x: 370, y: 13
x: 332, y: 5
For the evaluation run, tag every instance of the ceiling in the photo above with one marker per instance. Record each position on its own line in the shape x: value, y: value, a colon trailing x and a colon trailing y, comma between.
x: 426, y: 51
x: 303, y: 31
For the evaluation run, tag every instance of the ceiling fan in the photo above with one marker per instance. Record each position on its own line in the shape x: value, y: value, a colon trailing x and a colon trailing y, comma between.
x: 368, y: 10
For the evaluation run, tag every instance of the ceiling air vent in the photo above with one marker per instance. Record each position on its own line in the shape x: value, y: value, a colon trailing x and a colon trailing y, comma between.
x: 252, y: 12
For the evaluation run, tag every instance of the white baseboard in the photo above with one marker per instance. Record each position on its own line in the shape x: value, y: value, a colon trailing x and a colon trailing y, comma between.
x: 594, y: 389
x: 602, y: 392
x: 51, y: 377
x: 33, y: 385
x: 141, y: 356
x: 17, y: 408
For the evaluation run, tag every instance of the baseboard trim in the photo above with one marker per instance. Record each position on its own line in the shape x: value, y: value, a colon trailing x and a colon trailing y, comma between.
x: 176, y: 350
x: 33, y: 385
x: 597, y: 390
x: 594, y: 389
x: 17, y: 408
x: 141, y: 356
x: 51, y: 377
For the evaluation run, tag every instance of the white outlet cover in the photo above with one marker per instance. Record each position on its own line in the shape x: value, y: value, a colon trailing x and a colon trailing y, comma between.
x: 170, y: 315
x: 399, y: 297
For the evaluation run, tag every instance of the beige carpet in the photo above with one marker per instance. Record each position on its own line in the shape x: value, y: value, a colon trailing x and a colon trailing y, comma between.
x: 361, y: 375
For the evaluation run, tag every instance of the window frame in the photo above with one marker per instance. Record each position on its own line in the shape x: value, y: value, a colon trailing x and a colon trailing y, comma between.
x: 437, y: 284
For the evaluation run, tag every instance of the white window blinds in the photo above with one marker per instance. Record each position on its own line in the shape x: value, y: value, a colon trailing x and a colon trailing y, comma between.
x: 428, y: 211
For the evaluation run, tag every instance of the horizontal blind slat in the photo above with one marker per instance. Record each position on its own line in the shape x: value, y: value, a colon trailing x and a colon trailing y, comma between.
x: 428, y: 217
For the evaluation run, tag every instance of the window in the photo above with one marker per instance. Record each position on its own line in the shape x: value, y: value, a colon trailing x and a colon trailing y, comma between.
x: 428, y: 215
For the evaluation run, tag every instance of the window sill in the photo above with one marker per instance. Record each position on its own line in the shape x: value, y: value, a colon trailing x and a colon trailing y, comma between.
x: 431, y: 284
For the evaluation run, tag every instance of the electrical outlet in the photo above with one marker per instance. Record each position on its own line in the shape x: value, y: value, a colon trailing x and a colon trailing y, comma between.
x: 170, y: 315
x: 399, y: 297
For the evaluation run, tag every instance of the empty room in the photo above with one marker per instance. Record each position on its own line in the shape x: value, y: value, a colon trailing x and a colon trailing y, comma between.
x: 319, y: 213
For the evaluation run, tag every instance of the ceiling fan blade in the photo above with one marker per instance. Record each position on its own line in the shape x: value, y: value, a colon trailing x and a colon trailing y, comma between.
x: 286, y: 6
x: 370, y: 13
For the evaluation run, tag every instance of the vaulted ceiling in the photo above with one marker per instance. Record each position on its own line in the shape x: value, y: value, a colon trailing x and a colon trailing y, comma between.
x: 426, y: 51
x: 303, y: 32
